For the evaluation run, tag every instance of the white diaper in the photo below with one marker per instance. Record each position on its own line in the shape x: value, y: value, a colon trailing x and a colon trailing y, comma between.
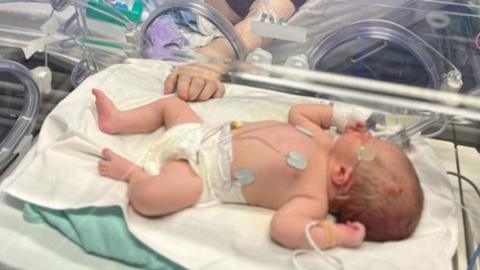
x: 208, y: 150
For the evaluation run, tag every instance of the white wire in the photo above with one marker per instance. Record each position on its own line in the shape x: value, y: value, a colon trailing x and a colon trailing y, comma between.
x: 295, y: 261
x: 332, y: 260
x: 438, y: 132
x: 470, y: 215
x: 336, y: 262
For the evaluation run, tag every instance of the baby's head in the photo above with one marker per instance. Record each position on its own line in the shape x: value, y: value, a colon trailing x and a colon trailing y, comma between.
x: 382, y: 192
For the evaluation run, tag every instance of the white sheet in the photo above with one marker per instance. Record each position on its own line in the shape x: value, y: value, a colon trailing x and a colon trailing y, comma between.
x: 27, y: 246
x: 63, y: 175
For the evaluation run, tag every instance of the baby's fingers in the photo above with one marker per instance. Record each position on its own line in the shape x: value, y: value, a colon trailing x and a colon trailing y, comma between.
x: 360, y: 124
x: 355, y: 126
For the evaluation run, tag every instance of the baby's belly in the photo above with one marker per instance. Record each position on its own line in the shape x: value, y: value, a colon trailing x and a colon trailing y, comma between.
x: 273, y: 180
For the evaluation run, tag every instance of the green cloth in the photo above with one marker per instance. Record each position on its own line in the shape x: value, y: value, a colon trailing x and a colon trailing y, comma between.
x: 100, y: 231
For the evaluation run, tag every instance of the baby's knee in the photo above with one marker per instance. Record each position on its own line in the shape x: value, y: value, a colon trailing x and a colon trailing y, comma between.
x: 174, y: 101
x: 142, y: 202
x: 143, y: 207
x: 175, y: 105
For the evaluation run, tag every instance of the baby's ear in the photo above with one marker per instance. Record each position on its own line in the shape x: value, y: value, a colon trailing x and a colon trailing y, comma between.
x: 342, y: 175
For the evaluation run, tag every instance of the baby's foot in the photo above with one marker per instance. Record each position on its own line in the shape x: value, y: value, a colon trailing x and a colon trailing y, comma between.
x: 108, y: 114
x: 115, y: 166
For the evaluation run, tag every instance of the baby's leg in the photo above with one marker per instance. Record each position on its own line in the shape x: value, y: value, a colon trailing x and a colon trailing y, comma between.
x: 166, y: 111
x: 175, y: 188
x: 116, y: 167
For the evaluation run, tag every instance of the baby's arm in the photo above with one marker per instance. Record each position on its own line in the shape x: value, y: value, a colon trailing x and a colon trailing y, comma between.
x: 289, y: 223
x: 311, y: 116
x: 343, y: 116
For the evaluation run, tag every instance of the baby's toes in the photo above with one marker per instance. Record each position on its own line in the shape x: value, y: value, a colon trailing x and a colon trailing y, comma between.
x: 109, y: 154
x: 104, y: 167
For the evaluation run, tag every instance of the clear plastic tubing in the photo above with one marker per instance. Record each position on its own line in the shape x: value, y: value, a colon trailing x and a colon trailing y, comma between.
x: 26, y: 120
x: 202, y: 9
x: 380, y: 30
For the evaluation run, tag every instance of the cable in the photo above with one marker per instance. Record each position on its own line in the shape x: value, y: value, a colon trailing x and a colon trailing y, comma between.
x: 332, y: 260
x: 437, y: 132
x: 471, y: 262
x: 466, y: 180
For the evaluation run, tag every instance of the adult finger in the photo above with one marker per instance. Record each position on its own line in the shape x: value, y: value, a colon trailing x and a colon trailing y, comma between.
x: 208, y: 72
x: 170, y: 83
x: 196, y: 87
x: 183, y: 85
x: 220, y: 90
x: 208, y: 91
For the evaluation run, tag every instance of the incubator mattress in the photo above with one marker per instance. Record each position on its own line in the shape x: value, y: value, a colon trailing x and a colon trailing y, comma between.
x: 62, y: 174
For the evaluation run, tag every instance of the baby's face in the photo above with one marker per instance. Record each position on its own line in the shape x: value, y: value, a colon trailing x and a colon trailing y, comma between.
x: 347, y: 144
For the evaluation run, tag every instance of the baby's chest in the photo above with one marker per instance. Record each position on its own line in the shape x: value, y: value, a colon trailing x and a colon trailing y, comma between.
x: 273, y: 152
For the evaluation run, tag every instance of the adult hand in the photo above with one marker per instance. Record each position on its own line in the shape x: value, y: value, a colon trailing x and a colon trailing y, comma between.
x: 196, y: 82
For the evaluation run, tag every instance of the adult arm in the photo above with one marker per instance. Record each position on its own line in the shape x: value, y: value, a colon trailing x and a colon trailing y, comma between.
x: 201, y: 81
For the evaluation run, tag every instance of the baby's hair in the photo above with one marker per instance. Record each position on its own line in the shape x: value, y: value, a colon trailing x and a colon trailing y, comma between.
x: 385, y: 196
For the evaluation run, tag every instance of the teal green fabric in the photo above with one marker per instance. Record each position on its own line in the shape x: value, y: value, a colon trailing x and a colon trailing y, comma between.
x: 100, y: 231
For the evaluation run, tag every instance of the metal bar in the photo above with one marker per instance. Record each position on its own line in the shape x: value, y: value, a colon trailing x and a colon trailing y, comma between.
x: 10, y: 123
x: 353, y: 95
x: 11, y: 102
x: 466, y: 224
x: 10, y: 113
x: 19, y: 89
x: 355, y: 83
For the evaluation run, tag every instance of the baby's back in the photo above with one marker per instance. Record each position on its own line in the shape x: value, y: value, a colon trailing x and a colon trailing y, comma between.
x: 272, y: 150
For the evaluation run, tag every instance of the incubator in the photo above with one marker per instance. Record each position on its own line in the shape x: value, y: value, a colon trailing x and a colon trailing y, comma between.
x: 414, y: 63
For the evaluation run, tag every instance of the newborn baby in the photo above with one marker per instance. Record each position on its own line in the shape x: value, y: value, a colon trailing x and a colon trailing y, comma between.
x: 294, y: 168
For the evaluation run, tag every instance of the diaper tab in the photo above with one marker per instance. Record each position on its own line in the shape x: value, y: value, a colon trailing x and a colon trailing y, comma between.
x: 216, y: 158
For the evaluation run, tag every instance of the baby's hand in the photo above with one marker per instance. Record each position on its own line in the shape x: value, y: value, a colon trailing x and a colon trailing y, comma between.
x: 352, y: 234
x: 358, y: 126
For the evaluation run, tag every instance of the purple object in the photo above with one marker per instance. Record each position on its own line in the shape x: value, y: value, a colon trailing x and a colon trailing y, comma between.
x: 158, y: 52
x: 163, y: 53
x: 164, y: 32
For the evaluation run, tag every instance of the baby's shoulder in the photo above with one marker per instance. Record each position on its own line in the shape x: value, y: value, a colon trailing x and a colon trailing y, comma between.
x: 316, y: 207
x: 312, y: 183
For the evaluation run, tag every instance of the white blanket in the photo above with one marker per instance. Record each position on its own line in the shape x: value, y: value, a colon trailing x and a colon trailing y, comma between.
x: 63, y: 174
